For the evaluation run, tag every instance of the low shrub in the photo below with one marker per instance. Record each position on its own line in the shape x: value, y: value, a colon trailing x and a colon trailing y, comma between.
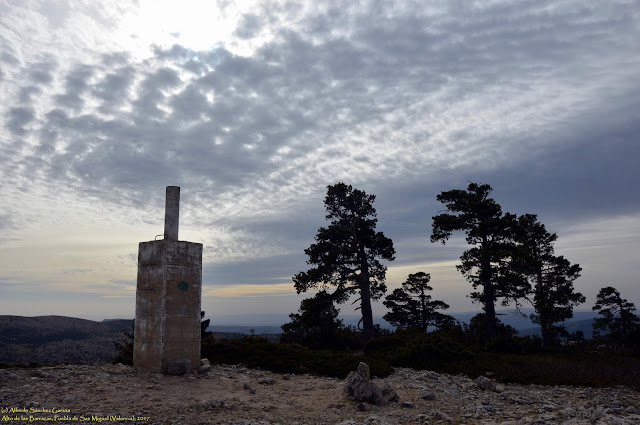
x: 125, y: 355
x: 257, y: 352
x: 594, y: 369
x: 419, y: 350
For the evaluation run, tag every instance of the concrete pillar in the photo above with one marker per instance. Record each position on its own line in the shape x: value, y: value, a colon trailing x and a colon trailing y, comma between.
x: 168, y: 297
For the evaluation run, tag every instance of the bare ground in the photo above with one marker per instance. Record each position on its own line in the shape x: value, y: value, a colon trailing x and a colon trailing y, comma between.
x: 122, y: 394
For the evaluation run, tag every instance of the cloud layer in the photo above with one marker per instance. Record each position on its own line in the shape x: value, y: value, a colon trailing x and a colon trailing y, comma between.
x: 539, y: 99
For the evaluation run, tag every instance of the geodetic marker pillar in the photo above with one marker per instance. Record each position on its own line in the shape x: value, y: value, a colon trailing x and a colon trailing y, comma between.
x: 168, y: 297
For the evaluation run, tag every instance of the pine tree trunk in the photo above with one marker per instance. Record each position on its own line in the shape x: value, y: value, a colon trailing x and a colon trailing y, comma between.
x: 365, y: 297
x: 490, y: 311
x: 367, y: 313
x: 489, y: 298
x: 623, y: 323
x: 541, y: 309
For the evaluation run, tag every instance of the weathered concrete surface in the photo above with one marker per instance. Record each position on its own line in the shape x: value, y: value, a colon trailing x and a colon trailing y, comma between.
x: 168, y: 302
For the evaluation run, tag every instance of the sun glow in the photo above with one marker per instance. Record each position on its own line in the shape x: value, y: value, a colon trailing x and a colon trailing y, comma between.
x: 195, y: 24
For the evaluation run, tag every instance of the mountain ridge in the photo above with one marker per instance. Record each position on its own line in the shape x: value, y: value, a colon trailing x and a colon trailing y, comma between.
x: 55, y: 339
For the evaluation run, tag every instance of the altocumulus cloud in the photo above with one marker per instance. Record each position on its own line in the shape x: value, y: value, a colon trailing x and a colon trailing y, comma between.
x: 401, y: 100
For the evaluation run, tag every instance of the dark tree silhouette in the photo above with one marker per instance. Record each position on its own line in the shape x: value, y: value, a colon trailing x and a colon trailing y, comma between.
x: 347, y: 253
x: 316, y: 326
x: 487, y: 263
x: 476, y: 333
x: 618, y: 319
x: 204, y: 324
x: 411, y: 306
x: 552, y: 277
x: 125, y: 348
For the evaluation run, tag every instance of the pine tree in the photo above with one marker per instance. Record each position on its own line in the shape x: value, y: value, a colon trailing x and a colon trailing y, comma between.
x: 317, y: 324
x: 618, y: 318
x: 552, y: 276
x: 204, y: 325
x: 347, y: 253
x: 487, y: 263
x: 411, y: 306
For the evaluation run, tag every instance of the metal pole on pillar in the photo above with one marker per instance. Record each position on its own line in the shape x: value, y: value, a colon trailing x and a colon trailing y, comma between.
x: 172, y: 213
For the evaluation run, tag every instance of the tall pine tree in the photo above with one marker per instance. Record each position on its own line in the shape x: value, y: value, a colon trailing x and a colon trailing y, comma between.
x: 347, y: 253
x: 617, y: 318
x: 551, y: 277
x: 490, y: 233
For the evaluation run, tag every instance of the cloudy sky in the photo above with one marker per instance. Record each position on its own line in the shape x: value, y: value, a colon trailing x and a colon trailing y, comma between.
x: 253, y: 108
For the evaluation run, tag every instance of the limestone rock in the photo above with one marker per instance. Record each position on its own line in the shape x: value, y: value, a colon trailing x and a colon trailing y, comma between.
x: 482, y: 382
x: 204, y: 369
x: 363, y: 370
x: 363, y: 407
x: 487, y: 384
x: 389, y: 393
x: 358, y: 386
x: 248, y: 386
x: 377, y: 420
x: 427, y: 394
x: 438, y: 415
x: 335, y: 406
x: 219, y: 403
x: 204, y: 362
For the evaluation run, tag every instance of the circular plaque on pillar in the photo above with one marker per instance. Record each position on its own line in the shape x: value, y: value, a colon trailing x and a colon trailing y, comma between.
x: 183, y: 286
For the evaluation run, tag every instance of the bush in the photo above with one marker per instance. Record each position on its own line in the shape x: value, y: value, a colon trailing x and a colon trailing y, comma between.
x: 125, y: 348
x: 570, y: 367
x: 125, y: 356
x: 419, y: 350
x: 257, y: 352
x: 476, y: 333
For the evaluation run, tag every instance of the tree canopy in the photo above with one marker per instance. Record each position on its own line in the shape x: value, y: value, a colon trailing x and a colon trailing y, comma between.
x: 617, y: 320
x: 411, y: 306
x: 489, y: 231
x: 347, y: 253
x: 552, y: 276
x: 317, y: 324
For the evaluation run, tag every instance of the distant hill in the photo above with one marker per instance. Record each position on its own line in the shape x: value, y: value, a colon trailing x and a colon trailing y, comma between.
x: 244, y: 323
x: 581, y: 321
x: 60, y: 339
x: 585, y: 326
x: 257, y: 330
x: 54, y: 339
x: 521, y: 321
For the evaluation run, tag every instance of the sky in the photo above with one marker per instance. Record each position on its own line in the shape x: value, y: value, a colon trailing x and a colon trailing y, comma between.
x: 254, y: 108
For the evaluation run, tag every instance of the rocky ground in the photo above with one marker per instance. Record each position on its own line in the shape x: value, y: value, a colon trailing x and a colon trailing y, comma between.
x: 234, y: 395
